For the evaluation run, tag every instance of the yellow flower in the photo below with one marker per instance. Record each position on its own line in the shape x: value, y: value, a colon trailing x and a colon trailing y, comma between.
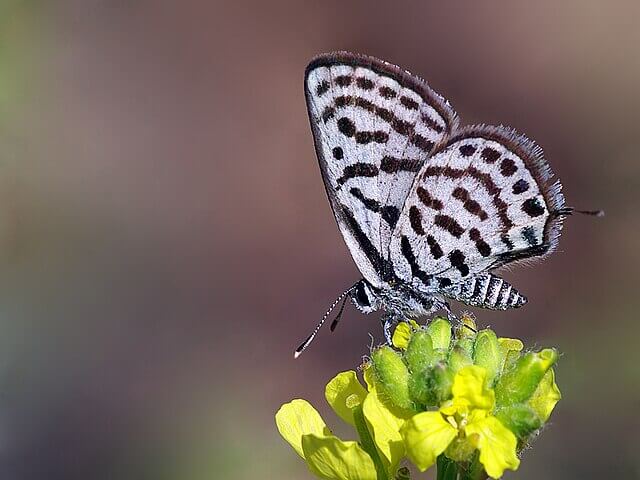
x: 380, y: 449
x: 326, y: 455
x: 461, y: 425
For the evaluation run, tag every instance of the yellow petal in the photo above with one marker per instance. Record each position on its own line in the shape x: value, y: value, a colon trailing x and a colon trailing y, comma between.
x: 298, y: 418
x: 384, y: 423
x: 545, y: 397
x: 369, y: 376
x: 426, y: 435
x: 402, y: 334
x: 497, y: 444
x: 343, y: 393
x: 470, y: 389
x: 331, y: 458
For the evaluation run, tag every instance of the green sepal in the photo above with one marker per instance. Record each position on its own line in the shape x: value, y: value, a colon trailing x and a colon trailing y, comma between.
x: 521, y: 419
x: 546, y: 396
x: 432, y: 386
x: 440, y: 331
x: 488, y: 354
x: 519, y: 382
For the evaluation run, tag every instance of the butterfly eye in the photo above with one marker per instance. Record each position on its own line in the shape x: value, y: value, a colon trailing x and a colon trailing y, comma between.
x: 361, y: 295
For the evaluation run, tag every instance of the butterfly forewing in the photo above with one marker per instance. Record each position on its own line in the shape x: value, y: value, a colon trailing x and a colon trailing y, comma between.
x: 483, y: 200
x: 374, y: 126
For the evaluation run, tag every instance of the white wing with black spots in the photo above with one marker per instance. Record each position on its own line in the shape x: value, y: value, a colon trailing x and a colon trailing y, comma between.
x: 373, y: 125
x: 482, y: 200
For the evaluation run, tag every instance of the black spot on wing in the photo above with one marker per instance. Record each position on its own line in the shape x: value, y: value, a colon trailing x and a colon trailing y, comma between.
x: 379, y: 264
x: 467, y: 150
x: 390, y: 214
x: 508, y: 167
x: 401, y: 126
x: 394, y: 165
x: 434, y: 247
x: 449, y: 224
x: 457, y: 259
x: 469, y: 204
x: 369, y: 203
x: 346, y: 127
x: 387, y: 92
x: 364, y: 83
x: 533, y: 207
x: 483, y: 178
x: 482, y: 246
x: 378, y: 136
x: 529, y: 234
x: 343, y: 80
x: 328, y: 114
x: 409, y: 103
x: 415, y: 218
x: 507, y: 241
x: 490, y: 155
x: 520, y: 186
x: 357, y: 170
x: 428, y: 200
x: 431, y: 123
x: 338, y: 154
x: 416, y: 271
x: 322, y: 88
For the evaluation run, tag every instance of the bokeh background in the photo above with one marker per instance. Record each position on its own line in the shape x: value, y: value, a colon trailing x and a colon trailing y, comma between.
x: 165, y: 241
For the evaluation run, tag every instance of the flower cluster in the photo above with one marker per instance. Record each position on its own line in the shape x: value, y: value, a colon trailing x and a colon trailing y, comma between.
x: 468, y: 403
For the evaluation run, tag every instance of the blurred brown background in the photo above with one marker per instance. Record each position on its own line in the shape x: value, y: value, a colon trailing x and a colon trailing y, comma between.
x: 165, y: 241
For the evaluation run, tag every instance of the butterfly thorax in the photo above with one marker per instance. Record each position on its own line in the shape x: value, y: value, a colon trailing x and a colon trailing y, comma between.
x: 396, y: 299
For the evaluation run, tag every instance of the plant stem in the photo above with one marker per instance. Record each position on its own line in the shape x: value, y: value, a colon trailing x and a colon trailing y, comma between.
x: 366, y: 441
x: 446, y: 469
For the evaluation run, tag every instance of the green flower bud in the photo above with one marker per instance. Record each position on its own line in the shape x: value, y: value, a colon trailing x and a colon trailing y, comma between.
x: 419, y: 354
x: 460, y: 356
x: 487, y: 354
x: 519, y: 382
x: 467, y: 328
x: 440, y: 331
x: 432, y: 386
x: 466, y: 343
x: 511, y: 348
x: 520, y: 419
x: 392, y: 376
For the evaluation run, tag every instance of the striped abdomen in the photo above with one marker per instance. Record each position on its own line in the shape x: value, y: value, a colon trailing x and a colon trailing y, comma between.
x: 486, y: 291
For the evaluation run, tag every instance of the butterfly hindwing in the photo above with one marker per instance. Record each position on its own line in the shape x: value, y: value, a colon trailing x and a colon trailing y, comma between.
x: 482, y: 200
x: 374, y: 126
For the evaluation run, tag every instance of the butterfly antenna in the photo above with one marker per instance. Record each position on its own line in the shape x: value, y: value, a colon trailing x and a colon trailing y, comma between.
x: 343, y: 297
x: 566, y: 211
x: 334, y: 324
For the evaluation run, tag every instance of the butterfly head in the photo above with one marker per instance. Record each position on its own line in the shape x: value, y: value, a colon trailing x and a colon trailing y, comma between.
x: 365, y: 297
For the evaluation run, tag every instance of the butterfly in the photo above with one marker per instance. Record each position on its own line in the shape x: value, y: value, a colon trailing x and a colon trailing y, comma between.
x: 428, y: 209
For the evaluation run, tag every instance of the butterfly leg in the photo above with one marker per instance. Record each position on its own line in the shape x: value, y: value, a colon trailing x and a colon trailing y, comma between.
x: 453, y: 320
x: 388, y: 321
